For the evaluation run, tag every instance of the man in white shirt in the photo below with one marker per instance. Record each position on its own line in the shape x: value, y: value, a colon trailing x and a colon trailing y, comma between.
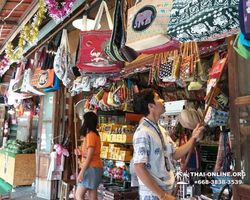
x: 154, y: 150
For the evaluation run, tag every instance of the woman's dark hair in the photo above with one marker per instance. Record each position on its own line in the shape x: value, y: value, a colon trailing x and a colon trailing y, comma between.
x: 142, y: 99
x: 89, y: 124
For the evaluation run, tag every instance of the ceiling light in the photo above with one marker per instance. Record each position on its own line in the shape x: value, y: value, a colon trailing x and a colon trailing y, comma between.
x: 90, y: 24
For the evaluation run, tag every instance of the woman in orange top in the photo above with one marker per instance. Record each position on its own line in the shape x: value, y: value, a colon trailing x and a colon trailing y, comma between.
x: 91, y: 174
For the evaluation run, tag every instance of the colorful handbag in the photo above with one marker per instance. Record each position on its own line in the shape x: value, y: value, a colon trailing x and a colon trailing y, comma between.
x: 244, y: 18
x: 113, y: 48
x: 104, y: 99
x: 91, y: 56
x: 217, y: 65
x: 216, y: 117
x: 111, y: 97
x: 186, y: 68
x: 201, y: 19
x: 148, y: 24
x: 18, y: 85
x: 37, y: 67
x: 56, y: 85
x: 61, y: 61
x: 128, y: 53
x: 47, y: 74
x: 241, y: 49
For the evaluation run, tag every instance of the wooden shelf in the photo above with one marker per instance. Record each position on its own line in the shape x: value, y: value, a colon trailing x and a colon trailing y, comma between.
x: 116, y: 178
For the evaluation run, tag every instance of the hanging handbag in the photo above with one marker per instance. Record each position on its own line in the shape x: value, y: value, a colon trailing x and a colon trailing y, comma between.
x: 129, y: 53
x: 216, y: 117
x: 26, y: 86
x: 12, y: 96
x: 186, y: 68
x: 46, y: 77
x: 244, y: 17
x: 91, y: 56
x: 241, y: 49
x: 147, y: 24
x: 113, y: 48
x: 202, y: 19
x: 217, y: 65
x: 18, y: 86
x: 61, y: 61
x: 110, y: 100
x: 56, y: 85
x: 37, y: 67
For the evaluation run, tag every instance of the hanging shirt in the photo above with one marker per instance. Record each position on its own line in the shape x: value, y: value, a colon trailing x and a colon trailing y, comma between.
x: 92, y: 140
x: 155, y: 148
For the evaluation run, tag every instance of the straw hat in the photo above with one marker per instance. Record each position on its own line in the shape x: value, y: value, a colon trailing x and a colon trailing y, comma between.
x: 189, y: 118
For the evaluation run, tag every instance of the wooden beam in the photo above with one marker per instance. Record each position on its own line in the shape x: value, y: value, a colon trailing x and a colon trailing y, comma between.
x: 15, y: 3
x: 242, y: 101
x: 31, y: 10
x: 11, y: 18
x: 15, y: 11
x: 8, y: 22
x: 60, y: 28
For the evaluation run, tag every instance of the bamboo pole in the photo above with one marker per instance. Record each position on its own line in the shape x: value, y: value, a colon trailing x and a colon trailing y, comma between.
x: 194, y: 141
x: 76, y: 145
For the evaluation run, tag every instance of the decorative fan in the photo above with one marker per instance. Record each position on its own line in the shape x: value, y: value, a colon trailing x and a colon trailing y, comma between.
x: 80, y: 110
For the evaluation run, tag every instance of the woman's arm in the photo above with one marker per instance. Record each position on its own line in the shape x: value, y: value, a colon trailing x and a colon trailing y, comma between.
x: 89, y: 158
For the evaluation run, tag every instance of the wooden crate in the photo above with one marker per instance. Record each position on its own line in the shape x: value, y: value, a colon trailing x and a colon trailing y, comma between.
x: 21, y: 168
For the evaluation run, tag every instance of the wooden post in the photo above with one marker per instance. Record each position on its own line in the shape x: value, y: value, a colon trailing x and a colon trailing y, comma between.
x: 76, y: 145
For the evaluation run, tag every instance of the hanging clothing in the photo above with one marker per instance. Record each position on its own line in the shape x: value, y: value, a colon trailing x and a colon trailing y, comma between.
x: 55, y: 170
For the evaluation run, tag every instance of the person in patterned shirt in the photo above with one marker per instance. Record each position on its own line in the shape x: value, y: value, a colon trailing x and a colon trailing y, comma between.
x: 154, y: 150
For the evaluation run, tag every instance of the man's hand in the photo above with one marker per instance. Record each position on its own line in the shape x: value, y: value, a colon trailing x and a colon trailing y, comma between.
x: 169, y: 197
x: 198, y: 133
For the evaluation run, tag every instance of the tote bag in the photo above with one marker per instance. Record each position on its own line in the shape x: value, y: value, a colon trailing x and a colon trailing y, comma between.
x: 148, y: 24
x: 37, y: 67
x: 91, y: 56
x: 46, y: 77
x: 201, y: 19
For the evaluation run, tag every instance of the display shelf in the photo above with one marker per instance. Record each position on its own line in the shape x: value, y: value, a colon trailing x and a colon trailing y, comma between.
x: 128, y: 144
x: 117, y: 179
x: 106, y: 159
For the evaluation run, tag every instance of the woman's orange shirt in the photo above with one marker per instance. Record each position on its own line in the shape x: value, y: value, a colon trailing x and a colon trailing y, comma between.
x: 92, y: 140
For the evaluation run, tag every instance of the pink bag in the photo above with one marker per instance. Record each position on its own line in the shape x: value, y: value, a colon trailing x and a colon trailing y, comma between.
x: 169, y: 46
x: 91, y: 56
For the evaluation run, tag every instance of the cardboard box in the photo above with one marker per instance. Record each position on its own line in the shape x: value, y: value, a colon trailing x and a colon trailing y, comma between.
x: 126, y: 153
x: 127, y: 138
x: 125, y: 158
x: 104, y: 155
x: 105, y: 149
